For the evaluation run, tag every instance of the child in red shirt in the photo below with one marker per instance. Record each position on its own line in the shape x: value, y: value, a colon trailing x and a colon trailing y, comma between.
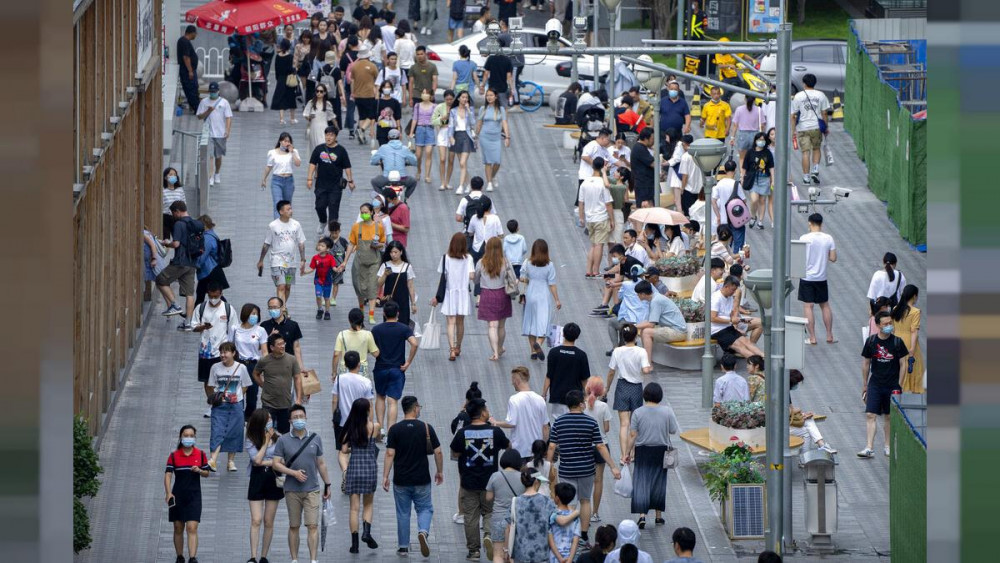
x: 323, y: 264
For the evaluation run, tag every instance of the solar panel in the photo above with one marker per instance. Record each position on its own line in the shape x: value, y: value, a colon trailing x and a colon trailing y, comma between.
x: 748, y: 512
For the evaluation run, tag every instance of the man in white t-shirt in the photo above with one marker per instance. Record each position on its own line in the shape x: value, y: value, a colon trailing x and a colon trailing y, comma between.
x: 597, y: 213
x: 216, y: 111
x: 721, y: 193
x: 820, y: 249
x: 527, y: 417
x: 214, y: 318
x: 596, y: 148
x: 692, y: 179
x: 807, y: 108
x: 347, y: 388
x: 717, y: 272
x: 630, y: 238
x: 726, y: 319
x: 284, y: 234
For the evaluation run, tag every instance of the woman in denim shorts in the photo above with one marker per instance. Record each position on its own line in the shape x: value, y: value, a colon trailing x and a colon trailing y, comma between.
x: 757, y: 167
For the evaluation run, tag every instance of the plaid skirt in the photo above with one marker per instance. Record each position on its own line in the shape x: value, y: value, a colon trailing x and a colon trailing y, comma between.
x: 362, y: 469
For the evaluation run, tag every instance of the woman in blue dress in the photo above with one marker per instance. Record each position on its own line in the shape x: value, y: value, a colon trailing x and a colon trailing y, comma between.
x: 492, y: 122
x: 540, y: 275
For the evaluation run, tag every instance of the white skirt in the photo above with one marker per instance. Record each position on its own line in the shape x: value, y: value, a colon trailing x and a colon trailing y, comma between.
x: 442, y: 137
x: 456, y: 302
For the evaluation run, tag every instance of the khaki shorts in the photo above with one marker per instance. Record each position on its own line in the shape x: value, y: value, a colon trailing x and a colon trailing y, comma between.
x: 809, y: 140
x: 183, y: 275
x: 600, y: 232
x: 668, y: 334
x: 619, y: 230
x: 297, y: 502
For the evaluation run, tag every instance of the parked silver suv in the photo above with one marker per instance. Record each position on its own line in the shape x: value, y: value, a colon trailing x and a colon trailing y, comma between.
x: 824, y: 58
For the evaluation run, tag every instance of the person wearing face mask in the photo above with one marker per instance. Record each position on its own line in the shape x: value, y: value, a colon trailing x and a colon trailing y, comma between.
x: 263, y: 491
x: 674, y: 110
x: 251, y: 343
x: 716, y: 116
x: 757, y: 166
x: 217, y: 112
x: 801, y: 424
x: 367, y: 240
x: 213, y: 319
x: 187, y: 464
x: 278, y: 374
x: 228, y: 382
x: 299, y: 456
x: 388, y: 111
x: 173, y: 191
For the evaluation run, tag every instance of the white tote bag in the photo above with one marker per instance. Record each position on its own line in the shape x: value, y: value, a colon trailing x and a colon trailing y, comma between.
x: 431, y: 337
x: 623, y: 486
x: 554, y: 337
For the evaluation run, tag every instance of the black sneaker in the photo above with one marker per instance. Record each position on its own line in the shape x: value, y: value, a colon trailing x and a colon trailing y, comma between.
x: 192, y: 560
x: 472, y: 555
x: 814, y: 176
x: 326, y: 316
x: 180, y: 559
x: 319, y: 314
x: 403, y: 552
x: 264, y: 560
x: 600, y: 314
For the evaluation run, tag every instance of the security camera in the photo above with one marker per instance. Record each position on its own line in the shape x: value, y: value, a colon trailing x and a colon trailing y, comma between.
x: 493, y: 29
x: 580, y: 23
x: 842, y: 192
x: 814, y: 193
x: 553, y: 28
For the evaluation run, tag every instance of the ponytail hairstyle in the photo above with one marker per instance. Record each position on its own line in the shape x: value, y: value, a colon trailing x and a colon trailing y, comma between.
x: 878, y: 303
x: 889, y: 261
x: 473, y: 392
x: 594, y: 389
x: 485, y: 204
x: 903, y: 307
x: 538, y: 450
x: 629, y: 332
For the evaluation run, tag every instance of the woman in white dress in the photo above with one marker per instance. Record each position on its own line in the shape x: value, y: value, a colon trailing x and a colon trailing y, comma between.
x: 319, y: 113
x: 458, y: 270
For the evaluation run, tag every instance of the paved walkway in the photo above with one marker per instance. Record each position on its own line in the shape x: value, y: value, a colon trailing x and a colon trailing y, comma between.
x: 129, y: 520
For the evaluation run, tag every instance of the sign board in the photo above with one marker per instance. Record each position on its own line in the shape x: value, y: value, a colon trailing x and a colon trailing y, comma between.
x: 763, y: 16
x: 145, y: 39
x: 312, y: 7
x: 725, y: 18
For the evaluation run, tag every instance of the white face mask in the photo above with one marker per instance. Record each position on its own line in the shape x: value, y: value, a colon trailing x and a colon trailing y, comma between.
x: 214, y: 301
x: 387, y: 91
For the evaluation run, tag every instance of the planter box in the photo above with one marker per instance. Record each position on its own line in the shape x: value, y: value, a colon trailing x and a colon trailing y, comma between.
x: 695, y: 331
x: 744, y: 512
x: 720, y: 435
x: 681, y: 284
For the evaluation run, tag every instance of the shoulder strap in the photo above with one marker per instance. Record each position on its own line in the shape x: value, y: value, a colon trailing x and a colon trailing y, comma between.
x: 508, y: 484
x: 295, y: 456
x: 201, y: 310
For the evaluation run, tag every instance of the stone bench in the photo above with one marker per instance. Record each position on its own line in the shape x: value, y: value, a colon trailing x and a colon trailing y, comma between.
x: 684, y: 354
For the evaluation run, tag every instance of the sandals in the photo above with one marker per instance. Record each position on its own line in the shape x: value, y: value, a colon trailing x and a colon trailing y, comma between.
x: 642, y: 522
x: 452, y: 355
x: 538, y: 351
x: 660, y: 521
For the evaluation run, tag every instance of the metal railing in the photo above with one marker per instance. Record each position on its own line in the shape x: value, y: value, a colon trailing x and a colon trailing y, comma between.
x: 183, y: 152
x: 214, y: 61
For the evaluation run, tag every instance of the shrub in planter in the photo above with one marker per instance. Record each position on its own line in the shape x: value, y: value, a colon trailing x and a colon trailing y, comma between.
x: 734, y: 465
x: 679, y: 266
x: 743, y: 415
x: 693, y: 311
x: 85, y: 483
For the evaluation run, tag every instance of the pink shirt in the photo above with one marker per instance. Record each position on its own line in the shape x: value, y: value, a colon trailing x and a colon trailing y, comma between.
x: 748, y: 120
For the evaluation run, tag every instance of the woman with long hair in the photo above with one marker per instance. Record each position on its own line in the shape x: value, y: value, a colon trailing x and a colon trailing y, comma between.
x: 362, y: 469
x: 648, y: 440
x: 173, y: 190
x: 367, y: 240
x: 758, y: 165
x: 540, y: 276
x: 599, y: 410
x: 263, y: 493
x: 422, y: 133
x: 675, y: 241
x: 440, y: 120
x: 284, y: 93
x: 747, y: 122
x: 539, y: 450
x: 906, y: 325
x: 461, y: 130
x: 388, y: 112
x: 320, y: 112
x: 887, y: 282
x: 250, y: 340
x: 530, y: 512
x: 354, y: 338
x: 188, y: 465
x: 280, y: 161
x: 208, y: 266
x: 458, y: 269
x: 630, y: 363
x: 396, y: 280
x: 492, y: 130
x: 604, y: 543
x: 652, y: 241
x: 491, y: 275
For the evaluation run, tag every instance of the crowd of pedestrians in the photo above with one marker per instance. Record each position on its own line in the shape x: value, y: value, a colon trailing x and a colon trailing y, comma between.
x: 531, y: 482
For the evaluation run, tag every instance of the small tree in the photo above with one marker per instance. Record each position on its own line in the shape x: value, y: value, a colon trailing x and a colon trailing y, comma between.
x: 665, y: 14
x: 85, y: 483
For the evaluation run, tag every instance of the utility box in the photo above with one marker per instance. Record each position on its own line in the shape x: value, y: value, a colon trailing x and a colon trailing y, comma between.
x: 821, y: 497
x: 797, y: 260
x: 795, y: 342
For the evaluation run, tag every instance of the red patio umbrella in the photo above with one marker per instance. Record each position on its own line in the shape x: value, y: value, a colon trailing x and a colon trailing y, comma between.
x: 244, y: 17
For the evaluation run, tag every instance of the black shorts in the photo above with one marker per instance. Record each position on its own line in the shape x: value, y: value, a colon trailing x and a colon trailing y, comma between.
x: 366, y: 108
x: 643, y: 194
x: 813, y: 291
x: 726, y: 337
x: 877, y: 401
x: 262, y: 485
x: 205, y: 368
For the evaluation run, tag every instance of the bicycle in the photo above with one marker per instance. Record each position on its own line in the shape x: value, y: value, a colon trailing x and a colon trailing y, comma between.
x: 530, y: 95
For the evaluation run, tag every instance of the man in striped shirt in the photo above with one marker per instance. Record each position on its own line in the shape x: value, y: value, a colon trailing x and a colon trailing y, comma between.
x: 577, y: 435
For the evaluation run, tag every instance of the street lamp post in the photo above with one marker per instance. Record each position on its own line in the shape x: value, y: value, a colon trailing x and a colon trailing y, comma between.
x: 707, y: 154
x: 653, y: 81
x: 612, y: 6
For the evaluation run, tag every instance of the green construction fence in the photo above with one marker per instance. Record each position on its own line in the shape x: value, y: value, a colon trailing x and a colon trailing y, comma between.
x: 889, y: 140
x: 907, y: 489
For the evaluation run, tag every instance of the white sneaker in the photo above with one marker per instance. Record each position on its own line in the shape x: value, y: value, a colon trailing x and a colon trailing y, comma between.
x: 320, y: 230
x: 218, y: 179
x: 828, y: 448
x: 489, y: 187
x: 458, y: 518
x: 887, y: 451
x: 458, y: 190
x: 468, y: 189
x: 211, y: 180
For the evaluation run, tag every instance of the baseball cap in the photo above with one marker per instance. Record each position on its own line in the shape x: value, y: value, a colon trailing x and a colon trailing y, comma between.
x: 393, y: 133
x: 365, y: 54
x: 213, y: 86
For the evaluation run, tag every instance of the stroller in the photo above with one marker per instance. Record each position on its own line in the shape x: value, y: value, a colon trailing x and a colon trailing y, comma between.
x: 591, y: 121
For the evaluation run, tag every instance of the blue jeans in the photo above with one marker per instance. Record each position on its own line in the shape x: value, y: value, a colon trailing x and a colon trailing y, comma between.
x: 282, y: 188
x: 349, y: 124
x: 739, y: 237
x: 420, y: 497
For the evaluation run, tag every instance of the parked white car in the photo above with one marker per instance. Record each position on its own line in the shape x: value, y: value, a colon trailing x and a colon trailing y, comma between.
x: 540, y: 69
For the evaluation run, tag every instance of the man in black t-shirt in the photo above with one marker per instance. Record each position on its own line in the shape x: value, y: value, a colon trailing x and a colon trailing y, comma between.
x: 187, y: 59
x: 329, y: 164
x: 280, y: 323
x: 614, y: 275
x: 406, y: 449
x: 568, y: 369
x: 365, y: 9
x: 881, y: 376
x: 477, y: 448
x: 391, y: 337
x: 499, y: 77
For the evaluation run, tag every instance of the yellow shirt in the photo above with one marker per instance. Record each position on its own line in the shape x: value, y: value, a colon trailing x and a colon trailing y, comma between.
x: 724, y: 59
x: 714, y: 114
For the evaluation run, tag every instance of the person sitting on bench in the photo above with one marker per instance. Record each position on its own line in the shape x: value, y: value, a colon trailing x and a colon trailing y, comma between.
x: 665, y: 322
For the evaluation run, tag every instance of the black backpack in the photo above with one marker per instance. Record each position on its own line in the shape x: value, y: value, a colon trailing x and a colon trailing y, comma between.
x: 223, y: 252
x: 195, y: 243
x: 472, y: 208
